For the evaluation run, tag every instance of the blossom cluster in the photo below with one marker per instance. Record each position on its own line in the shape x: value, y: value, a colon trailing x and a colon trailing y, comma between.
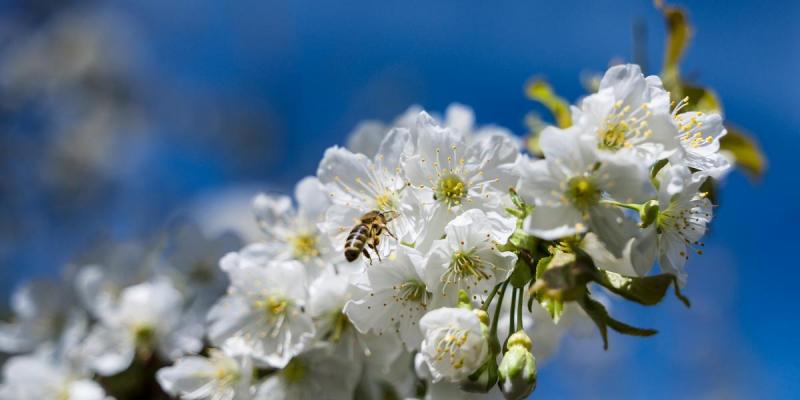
x: 430, y: 258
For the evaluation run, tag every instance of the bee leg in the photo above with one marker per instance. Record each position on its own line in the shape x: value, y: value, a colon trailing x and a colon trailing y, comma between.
x: 374, y: 247
x: 366, y: 254
x: 388, y: 232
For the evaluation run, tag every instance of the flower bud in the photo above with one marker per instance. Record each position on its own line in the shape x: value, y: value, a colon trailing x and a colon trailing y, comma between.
x: 648, y: 213
x: 483, y: 316
x: 463, y: 300
x: 517, y: 371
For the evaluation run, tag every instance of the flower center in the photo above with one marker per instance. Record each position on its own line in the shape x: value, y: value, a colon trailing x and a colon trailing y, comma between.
x: 225, y: 372
x: 414, y: 291
x: 294, y: 371
x: 450, y: 190
x: 582, y: 192
x: 273, y: 306
x: 466, y: 265
x: 613, y: 137
x: 144, y: 335
x: 304, y: 246
x: 450, y: 346
x: 691, y: 133
x: 384, y: 201
x: 624, y: 127
x: 685, y: 222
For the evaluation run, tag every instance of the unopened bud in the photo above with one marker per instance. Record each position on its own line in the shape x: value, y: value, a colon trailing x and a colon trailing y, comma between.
x: 517, y: 371
x: 483, y: 316
x: 463, y: 300
x: 648, y: 213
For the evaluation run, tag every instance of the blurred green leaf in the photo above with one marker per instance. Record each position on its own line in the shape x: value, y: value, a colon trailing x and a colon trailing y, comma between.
x: 745, y: 150
x: 701, y: 99
x: 678, y: 34
x: 646, y: 290
x: 597, y: 312
x: 539, y: 90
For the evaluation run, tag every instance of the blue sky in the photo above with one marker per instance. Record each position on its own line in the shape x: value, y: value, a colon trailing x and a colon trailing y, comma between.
x: 312, y: 70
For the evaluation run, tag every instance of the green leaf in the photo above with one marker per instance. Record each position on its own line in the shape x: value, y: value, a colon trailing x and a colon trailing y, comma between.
x: 701, y: 99
x: 647, y: 290
x: 678, y: 34
x: 539, y: 90
x: 597, y: 312
x: 745, y: 150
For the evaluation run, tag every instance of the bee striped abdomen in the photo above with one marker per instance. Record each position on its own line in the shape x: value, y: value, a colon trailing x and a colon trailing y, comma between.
x: 356, y: 241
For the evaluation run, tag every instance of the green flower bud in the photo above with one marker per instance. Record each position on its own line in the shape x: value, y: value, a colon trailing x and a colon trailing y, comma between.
x: 648, y: 213
x: 483, y: 316
x: 463, y: 300
x: 517, y: 371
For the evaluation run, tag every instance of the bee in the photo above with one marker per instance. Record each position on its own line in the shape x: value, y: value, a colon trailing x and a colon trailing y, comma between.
x: 367, y: 234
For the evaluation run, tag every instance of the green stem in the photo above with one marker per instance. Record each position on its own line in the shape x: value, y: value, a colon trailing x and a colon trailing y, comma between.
x: 519, y: 309
x: 511, y: 315
x: 635, y: 207
x: 485, y: 305
x: 493, y: 329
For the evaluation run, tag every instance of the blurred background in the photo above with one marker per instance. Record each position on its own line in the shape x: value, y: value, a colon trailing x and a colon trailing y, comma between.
x: 118, y: 117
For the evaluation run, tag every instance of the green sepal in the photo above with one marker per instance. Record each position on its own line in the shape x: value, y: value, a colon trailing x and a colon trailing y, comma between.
x: 558, y: 284
x: 521, y: 275
x: 541, y: 266
x: 554, y: 307
x: 646, y: 290
x: 597, y: 312
x: 654, y: 171
x: 522, y: 240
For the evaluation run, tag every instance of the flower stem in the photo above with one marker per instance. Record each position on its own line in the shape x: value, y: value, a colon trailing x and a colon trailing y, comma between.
x: 493, y: 329
x: 485, y: 305
x: 512, y: 314
x: 519, y: 309
x: 631, y: 206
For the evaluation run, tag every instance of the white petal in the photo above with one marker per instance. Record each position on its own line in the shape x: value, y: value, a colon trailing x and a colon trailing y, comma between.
x: 551, y: 223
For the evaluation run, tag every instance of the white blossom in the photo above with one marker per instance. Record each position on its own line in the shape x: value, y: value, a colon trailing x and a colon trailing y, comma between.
x: 43, y: 311
x: 146, y: 319
x: 684, y: 213
x: 451, y: 173
x: 316, y: 374
x: 263, y: 309
x: 45, y: 375
x: 393, y: 298
x: 468, y: 257
x: 568, y: 185
x: 699, y: 136
x: 454, y: 346
x: 357, y: 184
x: 628, y: 119
x: 291, y: 232
x: 216, y: 377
